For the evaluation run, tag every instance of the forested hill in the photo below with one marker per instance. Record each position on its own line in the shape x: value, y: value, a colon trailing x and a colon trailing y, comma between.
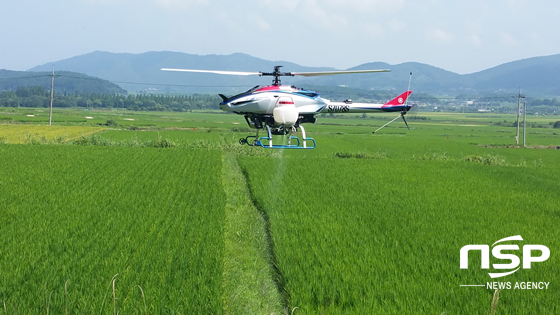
x: 141, y: 72
x: 536, y: 76
x: 65, y: 82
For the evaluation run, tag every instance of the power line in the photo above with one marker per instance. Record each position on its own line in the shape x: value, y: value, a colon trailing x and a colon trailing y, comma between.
x: 27, y: 77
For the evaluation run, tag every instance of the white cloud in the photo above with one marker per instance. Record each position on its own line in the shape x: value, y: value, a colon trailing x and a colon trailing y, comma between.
x: 291, y: 5
x: 474, y: 40
x: 439, y: 35
x: 507, y: 39
x: 181, y: 4
x: 485, y: 10
x: 371, y: 6
x: 474, y: 30
x: 120, y: 2
x: 518, y: 6
x: 535, y: 37
x: 317, y: 16
x: 373, y: 30
x: 261, y: 23
x: 397, y: 25
x: 474, y: 26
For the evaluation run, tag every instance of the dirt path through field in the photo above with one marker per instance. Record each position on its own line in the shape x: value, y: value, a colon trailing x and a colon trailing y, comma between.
x: 248, y: 276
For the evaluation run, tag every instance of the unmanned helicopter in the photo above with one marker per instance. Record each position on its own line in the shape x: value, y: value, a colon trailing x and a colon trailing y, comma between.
x: 282, y: 109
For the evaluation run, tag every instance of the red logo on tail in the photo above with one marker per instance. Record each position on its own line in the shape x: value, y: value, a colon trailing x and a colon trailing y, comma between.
x: 399, y: 100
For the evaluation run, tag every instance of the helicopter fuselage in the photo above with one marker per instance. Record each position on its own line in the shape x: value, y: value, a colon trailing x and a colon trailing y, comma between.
x: 260, y: 103
x: 263, y: 100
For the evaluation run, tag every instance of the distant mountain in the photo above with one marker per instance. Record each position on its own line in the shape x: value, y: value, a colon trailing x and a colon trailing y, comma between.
x: 65, y: 82
x: 536, y: 76
x: 425, y: 78
x: 136, y: 72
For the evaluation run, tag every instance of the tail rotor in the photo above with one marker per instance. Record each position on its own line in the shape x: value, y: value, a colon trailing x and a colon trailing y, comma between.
x: 406, y: 108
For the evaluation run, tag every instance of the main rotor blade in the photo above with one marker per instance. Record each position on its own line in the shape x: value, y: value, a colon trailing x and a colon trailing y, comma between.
x: 316, y: 74
x: 214, y: 71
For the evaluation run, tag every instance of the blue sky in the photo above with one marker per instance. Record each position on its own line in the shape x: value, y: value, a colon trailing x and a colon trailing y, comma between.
x: 459, y: 36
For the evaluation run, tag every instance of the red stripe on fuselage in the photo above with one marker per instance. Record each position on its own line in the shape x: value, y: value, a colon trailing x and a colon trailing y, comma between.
x: 268, y: 88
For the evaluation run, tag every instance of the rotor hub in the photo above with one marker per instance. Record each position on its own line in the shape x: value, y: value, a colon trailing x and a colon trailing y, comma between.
x: 276, y: 74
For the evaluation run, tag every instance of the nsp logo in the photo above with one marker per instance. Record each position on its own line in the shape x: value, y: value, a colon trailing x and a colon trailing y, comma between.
x: 497, y: 252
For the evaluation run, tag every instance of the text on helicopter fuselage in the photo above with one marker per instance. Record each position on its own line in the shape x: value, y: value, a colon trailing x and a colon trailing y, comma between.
x: 338, y: 108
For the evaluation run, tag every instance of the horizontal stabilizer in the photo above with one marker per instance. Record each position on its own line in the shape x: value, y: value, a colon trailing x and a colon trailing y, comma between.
x: 224, y: 98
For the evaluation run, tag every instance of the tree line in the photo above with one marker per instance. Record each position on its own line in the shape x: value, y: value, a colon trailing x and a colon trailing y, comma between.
x: 38, y: 96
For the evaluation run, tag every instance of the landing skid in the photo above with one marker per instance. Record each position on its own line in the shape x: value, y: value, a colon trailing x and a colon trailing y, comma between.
x: 266, y: 142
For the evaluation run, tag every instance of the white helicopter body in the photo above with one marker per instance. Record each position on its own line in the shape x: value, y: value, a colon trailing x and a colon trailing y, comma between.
x: 281, y: 109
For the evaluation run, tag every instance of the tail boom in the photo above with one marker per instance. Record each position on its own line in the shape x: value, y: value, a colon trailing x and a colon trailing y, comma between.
x: 395, y: 105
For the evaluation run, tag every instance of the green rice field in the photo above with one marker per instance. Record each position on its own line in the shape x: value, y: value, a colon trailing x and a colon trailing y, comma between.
x: 76, y: 218
x: 165, y: 213
x: 362, y: 236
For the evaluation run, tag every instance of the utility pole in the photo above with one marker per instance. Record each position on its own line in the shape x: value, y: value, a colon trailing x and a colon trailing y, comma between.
x: 52, y: 91
x: 524, y: 120
x: 52, y: 94
x: 519, y: 97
